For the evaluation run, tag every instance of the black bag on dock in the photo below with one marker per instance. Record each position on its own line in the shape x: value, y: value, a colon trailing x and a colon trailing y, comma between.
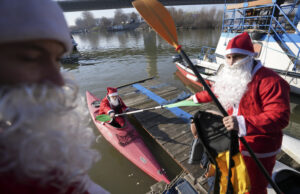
x: 212, y: 133
x: 214, y: 137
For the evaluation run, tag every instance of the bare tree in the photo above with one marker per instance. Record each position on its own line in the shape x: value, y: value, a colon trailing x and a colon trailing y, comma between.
x: 79, y: 22
x: 88, y: 19
x: 104, y: 23
x: 120, y: 17
x: 133, y: 16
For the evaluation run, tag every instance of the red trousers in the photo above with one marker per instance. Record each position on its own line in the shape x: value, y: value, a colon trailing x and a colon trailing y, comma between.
x: 257, y: 179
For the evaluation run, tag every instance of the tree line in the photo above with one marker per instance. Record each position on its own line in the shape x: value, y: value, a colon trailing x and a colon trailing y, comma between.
x: 203, y: 19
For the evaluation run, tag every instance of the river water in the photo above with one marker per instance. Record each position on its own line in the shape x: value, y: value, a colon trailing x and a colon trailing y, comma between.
x: 115, y: 59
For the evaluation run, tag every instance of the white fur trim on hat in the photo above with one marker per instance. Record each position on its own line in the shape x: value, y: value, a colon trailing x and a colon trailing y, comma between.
x: 25, y: 20
x: 240, y: 51
x: 113, y: 94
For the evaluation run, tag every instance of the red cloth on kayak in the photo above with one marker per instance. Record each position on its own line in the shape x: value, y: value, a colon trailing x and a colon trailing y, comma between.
x: 266, y: 109
x: 106, y: 107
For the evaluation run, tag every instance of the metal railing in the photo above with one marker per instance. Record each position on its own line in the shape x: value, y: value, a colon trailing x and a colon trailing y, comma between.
x: 261, y: 18
x: 207, y: 53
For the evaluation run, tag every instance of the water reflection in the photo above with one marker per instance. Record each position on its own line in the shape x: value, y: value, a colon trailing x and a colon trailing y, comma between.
x: 91, y: 39
x: 151, y: 53
x: 193, y: 40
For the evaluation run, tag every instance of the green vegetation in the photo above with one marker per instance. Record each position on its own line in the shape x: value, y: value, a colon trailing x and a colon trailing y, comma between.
x: 203, y: 19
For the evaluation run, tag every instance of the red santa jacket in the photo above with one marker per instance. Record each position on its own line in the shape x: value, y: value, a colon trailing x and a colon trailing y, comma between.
x: 106, y: 107
x: 266, y: 110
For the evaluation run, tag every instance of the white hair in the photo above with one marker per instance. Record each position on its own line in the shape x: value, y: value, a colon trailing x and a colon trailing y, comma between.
x: 114, y: 102
x: 231, y: 83
x: 44, y: 135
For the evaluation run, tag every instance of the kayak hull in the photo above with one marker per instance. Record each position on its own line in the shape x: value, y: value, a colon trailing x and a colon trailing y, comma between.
x: 128, y: 142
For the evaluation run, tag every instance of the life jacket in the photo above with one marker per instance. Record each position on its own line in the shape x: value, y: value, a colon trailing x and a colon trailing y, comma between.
x: 216, y: 142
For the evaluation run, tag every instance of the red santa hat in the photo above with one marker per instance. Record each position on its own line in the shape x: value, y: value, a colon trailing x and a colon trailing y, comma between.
x: 112, y: 92
x: 241, y: 44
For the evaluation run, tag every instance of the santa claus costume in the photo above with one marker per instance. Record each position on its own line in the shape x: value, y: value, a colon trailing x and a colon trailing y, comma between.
x: 259, y: 98
x: 108, y: 105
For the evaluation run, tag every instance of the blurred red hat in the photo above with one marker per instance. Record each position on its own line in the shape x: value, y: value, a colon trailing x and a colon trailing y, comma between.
x: 241, y: 44
x: 112, y: 91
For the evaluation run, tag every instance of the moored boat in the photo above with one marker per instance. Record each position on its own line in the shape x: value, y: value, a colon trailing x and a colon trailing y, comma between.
x: 72, y: 57
x: 207, y: 73
x: 287, y: 178
x: 275, y: 37
x: 128, y: 142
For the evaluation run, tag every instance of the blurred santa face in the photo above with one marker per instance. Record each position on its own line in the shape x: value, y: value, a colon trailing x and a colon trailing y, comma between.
x: 43, y: 124
x: 30, y: 62
x: 44, y: 129
x: 114, y: 100
x: 230, y: 59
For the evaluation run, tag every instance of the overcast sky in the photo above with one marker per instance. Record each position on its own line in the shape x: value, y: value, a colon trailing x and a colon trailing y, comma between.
x: 109, y: 13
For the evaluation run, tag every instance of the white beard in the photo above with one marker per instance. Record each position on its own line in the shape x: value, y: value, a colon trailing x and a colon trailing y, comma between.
x: 231, y: 83
x: 114, y: 102
x: 43, y: 128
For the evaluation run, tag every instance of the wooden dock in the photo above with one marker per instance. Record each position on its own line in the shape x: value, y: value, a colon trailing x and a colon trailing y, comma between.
x: 170, y: 128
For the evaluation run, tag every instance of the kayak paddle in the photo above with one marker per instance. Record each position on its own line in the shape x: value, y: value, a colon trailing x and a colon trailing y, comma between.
x: 106, y: 118
x: 158, y: 17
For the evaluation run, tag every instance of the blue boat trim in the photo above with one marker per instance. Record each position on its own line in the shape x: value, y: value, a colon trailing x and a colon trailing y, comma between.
x: 176, y: 111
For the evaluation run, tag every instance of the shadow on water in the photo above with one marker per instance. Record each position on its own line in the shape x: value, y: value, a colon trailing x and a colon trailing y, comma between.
x: 151, y: 53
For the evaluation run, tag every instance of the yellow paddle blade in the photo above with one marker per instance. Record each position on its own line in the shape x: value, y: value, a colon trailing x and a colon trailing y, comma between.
x: 158, y: 17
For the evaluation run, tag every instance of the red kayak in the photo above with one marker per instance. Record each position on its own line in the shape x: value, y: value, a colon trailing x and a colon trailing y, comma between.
x: 189, y: 75
x: 128, y: 142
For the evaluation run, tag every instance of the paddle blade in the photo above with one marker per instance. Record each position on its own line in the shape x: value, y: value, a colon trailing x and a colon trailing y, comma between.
x: 158, y: 17
x: 103, y: 118
x: 182, y: 103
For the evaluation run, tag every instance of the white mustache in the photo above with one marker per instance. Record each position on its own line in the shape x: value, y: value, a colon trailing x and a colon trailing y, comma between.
x: 239, y: 63
x: 114, y: 102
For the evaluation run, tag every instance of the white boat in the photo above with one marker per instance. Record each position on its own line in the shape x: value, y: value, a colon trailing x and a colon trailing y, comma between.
x: 72, y: 57
x: 276, y: 41
x: 287, y: 178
